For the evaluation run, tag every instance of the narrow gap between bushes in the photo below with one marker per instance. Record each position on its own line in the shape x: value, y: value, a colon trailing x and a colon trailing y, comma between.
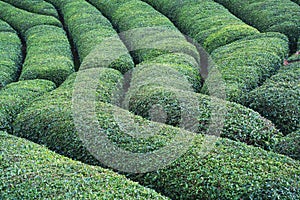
x: 24, y: 54
x: 76, y: 59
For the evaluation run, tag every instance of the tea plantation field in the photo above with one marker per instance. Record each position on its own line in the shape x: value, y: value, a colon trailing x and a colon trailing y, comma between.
x: 150, y: 99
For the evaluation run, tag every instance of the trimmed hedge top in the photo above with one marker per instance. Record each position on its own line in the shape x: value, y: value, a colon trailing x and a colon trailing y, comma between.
x: 209, y: 23
x: 144, y: 30
x: 36, y: 6
x: 154, y: 84
x: 278, y: 99
x: 30, y: 171
x: 269, y: 15
x: 48, y: 56
x: 10, y: 54
x: 16, y: 96
x: 22, y: 20
x: 94, y: 36
x: 246, y: 63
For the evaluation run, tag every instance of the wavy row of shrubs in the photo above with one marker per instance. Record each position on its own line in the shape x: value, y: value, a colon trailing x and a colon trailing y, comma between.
x: 209, y: 23
x: 145, y: 31
x: 232, y: 55
x: 231, y: 170
x: 278, y: 99
x: 16, y: 96
x: 269, y: 16
x: 173, y: 71
x: 22, y: 20
x: 37, y: 6
x: 246, y: 63
x: 10, y: 54
x: 48, y: 56
x: 30, y: 171
x: 180, y: 105
x: 90, y: 30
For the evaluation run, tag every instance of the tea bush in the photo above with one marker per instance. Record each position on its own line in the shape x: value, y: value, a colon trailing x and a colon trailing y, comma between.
x: 37, y: 6
x: 48, y: 54
x: 10, y: 54
x: 272, y: 15
x: 290, y: 145
x: 22, y: 20
x: 209, y: 23
x: 278, y: 98
x: 16, y: 96
x: 31, y: 171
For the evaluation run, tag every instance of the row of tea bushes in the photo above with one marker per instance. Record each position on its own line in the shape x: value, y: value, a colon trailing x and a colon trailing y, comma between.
x: 278, y: 99
x: 31, y: 171
x: 231, y: 170
x: 271, y: 15
x: 144, y: 30
x: 207, y: 22
x: 16, y: 96
x: 48, y: 56
x: 22, y: 20
x: 154, y: 84
x: 91, y: 32
x: 290, y: 145
x: 246, y: 63
x: 36, y: 6
x: 10, y: 54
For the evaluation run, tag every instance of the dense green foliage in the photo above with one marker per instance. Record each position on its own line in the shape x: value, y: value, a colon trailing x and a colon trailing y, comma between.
x: 22, y: 20
x: 10, y: 54
x: 158, y: 84
x: 36, y: 6
x: 144, y: 30
x: 246, y: 63
x: 231, y: 170
x: 90, y: 30
x: 269, y: 15
x: 209, y: 23
x: 48, y: 54
x: 278, y: 99
x: 30, y: 171
x: 16, y: 96
x: 290, y: 145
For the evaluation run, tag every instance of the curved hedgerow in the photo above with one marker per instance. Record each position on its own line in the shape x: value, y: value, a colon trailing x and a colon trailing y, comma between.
x: 246, y: 63
x: 271, y: 15
x: 90, y: 30
x: 278, y: 99
x: 149, y: 89
x: 231, y: 170
x: 10, y: 54
x: 144, y: 30
x: 290, y: 145
x: 16, y: 96
x: 209, y: 23
x: 48, y: 56
x: 35, y: 172
x: 22, y: 20
x: 36, y: 6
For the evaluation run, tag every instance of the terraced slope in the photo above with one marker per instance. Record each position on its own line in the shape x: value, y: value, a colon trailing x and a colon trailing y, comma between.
x: 30, y: 171
x: 269, y: 15
x: 10, y: 54
x: 91, y: 115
